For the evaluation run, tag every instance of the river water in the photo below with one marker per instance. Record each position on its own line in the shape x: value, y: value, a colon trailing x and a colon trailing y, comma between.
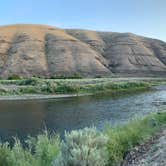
x: 29, y: 117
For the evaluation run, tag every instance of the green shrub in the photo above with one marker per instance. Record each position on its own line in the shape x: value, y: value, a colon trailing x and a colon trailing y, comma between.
x: 29, y: 90
x: 46, y: 148
x: 3, y: 91
x: 67, y: 88
x: 81, y: 148
x: 20, y: 156
x: 49, y: 87
x: 39, y: 151
x: 29, y: 81
x: 14, y: 77
x: 4, y: 155
x: 71, y: 76
x: 98, y: 76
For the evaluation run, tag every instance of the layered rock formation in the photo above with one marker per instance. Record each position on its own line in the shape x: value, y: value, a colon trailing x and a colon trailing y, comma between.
x: 28, y: 50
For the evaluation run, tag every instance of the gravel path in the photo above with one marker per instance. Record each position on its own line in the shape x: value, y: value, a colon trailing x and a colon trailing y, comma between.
x: 152, y: 153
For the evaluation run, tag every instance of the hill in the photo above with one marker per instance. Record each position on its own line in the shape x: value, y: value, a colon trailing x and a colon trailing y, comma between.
x: 27, y: 50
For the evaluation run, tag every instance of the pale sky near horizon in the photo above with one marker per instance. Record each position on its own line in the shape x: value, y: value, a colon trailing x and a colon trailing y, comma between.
x: 143, y: 17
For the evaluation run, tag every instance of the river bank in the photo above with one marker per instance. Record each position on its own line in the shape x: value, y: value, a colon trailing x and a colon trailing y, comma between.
x: 40, y: 96
x: 98, y: 148
x: 151, y: 152
x: 37, y: 88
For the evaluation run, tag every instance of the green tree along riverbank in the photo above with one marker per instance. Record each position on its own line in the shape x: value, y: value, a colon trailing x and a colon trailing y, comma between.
x: 83, y: 147
x: 76, y: 86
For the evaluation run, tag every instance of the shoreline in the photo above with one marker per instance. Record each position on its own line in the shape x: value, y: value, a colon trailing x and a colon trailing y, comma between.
x: 59, y: 96
x: 38, y: 89
x: 41, y: 96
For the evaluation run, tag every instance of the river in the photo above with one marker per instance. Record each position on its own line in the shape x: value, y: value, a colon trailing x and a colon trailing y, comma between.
x: 29, y: 117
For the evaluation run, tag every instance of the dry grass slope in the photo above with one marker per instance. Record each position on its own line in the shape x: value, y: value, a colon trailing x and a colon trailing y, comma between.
x: 40, y: 50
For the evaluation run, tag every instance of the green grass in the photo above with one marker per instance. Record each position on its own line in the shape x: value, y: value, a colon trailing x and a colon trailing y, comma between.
x: 45, y: 148
x: 123, y: 138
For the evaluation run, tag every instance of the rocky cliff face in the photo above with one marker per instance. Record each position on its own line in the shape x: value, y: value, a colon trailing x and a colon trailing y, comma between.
x: 40, y: 50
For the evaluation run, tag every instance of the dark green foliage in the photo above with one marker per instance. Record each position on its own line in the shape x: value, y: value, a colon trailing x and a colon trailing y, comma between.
x: 14, y: 77
x: 4, y: 155
x: 29, y: 90
x: 98, y: 76
x: 73, y: 76
x: 67, y: 88
x: 29, y: 81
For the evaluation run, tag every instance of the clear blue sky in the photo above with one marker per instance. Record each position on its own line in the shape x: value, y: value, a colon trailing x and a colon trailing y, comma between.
x: 143, y: 17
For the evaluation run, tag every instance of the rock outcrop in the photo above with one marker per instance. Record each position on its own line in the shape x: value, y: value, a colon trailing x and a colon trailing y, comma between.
x: 39, y: 50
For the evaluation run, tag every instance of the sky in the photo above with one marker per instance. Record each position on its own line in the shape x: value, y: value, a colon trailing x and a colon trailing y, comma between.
x: 143, y: 17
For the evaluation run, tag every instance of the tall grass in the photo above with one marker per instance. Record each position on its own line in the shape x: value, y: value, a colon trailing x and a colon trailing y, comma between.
x: 123, y: 138
x: 39, y: 151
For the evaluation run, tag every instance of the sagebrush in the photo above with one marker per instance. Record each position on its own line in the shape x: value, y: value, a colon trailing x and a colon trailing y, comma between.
x: 83, y: 147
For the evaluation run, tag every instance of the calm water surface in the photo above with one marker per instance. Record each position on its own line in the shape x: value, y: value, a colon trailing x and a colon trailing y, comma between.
x: 21, y: 118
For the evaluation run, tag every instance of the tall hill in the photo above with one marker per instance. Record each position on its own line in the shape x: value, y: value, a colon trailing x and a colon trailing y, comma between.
x: 27, y: 50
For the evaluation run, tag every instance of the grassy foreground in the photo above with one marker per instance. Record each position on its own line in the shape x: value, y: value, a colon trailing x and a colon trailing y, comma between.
x: 82, y: 147
x: 75, y: 86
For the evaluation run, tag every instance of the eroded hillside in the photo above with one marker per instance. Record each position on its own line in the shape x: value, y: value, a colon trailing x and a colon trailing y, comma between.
x: 41, y: 50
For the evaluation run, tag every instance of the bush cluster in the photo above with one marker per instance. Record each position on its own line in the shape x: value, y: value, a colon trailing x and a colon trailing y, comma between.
x: 83, y: 147
x: 14, y: 77
x: 71, y: 76
x: 29, y: 81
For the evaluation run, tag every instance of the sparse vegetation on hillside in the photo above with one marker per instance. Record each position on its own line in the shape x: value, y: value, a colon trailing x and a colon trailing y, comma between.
x: 63, y: 53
